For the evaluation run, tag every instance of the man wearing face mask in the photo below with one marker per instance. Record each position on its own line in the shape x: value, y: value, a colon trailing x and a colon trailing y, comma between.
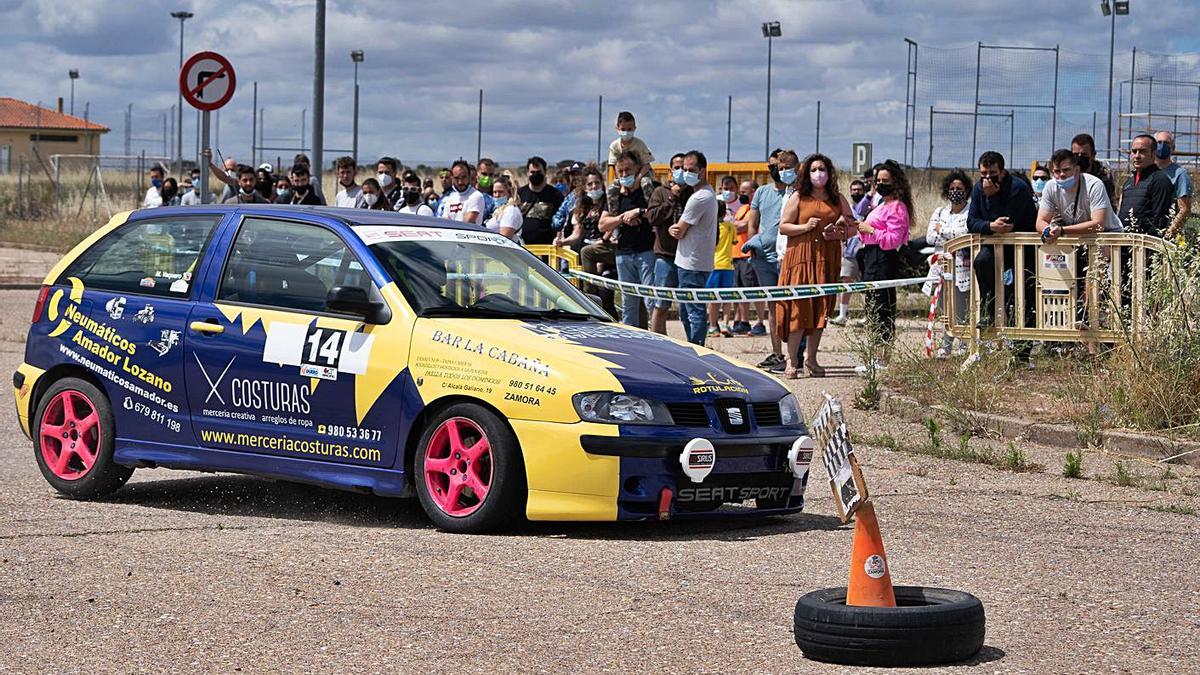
x: 188, y: 194
x: 625, y: 216
x: 1083, y: 146
x: 410, y: 197
x: 154, y: 197
x: 662, y: 211
x: 696, y: 232
x: 1040, y: 177
x: 485, y: 178
x: 539, y: 200
x: 246, y: 193
x: 1000, y: 204
x: 743, y: 268
x: 765, y: 208
x: 302, y: 191
x: 1164, y: 148
x: 385, y: 175
x: 462, y: 202
x: 1148, y: 195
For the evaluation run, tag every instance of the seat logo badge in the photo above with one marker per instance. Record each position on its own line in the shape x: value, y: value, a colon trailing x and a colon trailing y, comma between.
x: 735, y: 416
x: 697, y: 459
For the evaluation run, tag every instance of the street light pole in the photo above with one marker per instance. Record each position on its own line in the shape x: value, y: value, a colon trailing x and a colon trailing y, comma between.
x: 357, y: 57
x: 770, y: 30
x: 182, y: 16
x: 318, y: 132
x: 73, y: 75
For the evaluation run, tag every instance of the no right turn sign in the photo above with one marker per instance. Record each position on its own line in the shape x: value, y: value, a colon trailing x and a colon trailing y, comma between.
x: 207, y: 80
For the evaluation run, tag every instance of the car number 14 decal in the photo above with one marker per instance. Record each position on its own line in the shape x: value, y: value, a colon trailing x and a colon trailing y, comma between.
x: 319, y: 352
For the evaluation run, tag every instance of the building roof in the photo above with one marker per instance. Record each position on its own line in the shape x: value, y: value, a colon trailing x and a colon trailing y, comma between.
x: 22, y: 115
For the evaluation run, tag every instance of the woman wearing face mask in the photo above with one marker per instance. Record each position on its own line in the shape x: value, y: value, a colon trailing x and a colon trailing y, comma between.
x: 373, y: 197
x: 506, y: 217
x: 170, y: 192
x: 814, y: 220
x: 946, y: 223
x: 264, y: 183
x: 584, y: 226
x: 883, y: 233
x: 283, y: 191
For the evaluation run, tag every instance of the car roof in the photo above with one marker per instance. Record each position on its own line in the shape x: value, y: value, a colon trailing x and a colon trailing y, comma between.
x: 350, y: 217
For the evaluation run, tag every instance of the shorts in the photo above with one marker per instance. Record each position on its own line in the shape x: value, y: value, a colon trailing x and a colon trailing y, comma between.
x: 766, y: 271
x: 743, y: 272
x: 720, y: 279
x: 666, y: 275
x: 850, y: 269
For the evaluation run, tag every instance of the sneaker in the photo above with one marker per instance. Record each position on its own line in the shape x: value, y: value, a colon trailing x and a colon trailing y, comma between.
x: 713, y: 331
x: 741, y: 327
x: 772, y: 360
x: 839, y: 320
x: 726, y: 332
x: 861, y: 371
x: 759, y: 330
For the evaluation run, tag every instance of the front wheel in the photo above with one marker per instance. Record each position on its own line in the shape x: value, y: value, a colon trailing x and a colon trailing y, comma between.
x: 73, y: 441
x: 468, y: 471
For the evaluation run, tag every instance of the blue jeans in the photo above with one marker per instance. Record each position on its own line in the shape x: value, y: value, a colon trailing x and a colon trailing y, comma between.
x: 666, y: 275
x: 697, y: 314
x: 635, y: 268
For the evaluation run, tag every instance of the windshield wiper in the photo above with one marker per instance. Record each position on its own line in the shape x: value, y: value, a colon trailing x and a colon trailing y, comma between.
x: 479, y: 312
x: 557, y: 313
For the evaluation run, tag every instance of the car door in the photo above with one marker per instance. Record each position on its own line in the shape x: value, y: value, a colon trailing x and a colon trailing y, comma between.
x: 271, y: 370
x: 124, y: 321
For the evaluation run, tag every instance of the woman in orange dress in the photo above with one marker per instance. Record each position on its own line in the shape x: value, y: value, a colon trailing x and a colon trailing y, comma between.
x: 814, y: 220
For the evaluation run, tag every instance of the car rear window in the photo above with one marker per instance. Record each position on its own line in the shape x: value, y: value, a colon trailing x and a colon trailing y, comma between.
x: 147, y: 257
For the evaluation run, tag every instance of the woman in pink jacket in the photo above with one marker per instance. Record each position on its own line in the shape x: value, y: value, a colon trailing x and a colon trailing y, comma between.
x: 883, y: 232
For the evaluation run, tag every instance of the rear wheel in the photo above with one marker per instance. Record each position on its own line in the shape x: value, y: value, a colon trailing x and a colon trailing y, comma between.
x: 73, y: 440
x: 468, y: 471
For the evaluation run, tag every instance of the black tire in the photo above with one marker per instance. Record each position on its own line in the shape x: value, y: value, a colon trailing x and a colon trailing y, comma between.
x: 502, y: 507
x: 928, y: 626
x: 104, y: 476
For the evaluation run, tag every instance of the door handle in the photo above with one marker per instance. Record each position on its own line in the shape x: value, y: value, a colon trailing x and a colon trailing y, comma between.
x: 210, y: 326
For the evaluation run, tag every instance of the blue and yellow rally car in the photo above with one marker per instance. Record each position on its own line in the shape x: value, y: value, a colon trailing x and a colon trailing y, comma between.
x: 387, y: 354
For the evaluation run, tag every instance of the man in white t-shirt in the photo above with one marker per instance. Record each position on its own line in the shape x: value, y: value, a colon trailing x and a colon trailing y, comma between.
x: 350, y: 194
x: 697, y: 235
x: 410, y: 197
x: 154, y: 194
x: 463, y: 203
x: 188, y: 194
x: 1074, y: 202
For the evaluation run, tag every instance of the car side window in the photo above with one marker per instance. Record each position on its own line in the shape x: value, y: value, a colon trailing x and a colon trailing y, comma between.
x: 148, y: 257
x: 290, y: 265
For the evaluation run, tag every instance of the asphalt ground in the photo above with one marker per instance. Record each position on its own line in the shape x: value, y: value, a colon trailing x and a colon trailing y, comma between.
x: 192, y: 572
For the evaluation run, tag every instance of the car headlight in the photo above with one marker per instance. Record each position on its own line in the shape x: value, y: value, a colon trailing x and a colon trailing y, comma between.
x: 789, y: 411
x: 617, y: 408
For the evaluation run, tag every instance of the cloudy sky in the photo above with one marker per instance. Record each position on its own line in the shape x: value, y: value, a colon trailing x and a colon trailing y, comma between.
x: 544, y: 63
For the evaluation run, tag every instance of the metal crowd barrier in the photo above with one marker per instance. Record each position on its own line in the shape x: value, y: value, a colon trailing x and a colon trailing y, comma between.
x: 1079, y: 289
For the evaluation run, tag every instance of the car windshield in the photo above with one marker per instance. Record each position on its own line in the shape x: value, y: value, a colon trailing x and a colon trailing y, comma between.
x: 462, y: 273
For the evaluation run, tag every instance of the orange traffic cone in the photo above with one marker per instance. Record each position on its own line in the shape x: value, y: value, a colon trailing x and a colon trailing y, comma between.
x: 870, y: 580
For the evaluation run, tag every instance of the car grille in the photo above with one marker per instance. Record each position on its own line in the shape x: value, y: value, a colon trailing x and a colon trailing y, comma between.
x: 688, y: 414
x: 767, y: 414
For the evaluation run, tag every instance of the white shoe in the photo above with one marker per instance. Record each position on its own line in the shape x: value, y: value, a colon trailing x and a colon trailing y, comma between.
x: 839, y: 320
x: 858, y: 322
x: 943, y: 353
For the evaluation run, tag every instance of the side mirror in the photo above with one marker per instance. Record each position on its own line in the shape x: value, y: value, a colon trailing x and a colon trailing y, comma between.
x: 356, y: 301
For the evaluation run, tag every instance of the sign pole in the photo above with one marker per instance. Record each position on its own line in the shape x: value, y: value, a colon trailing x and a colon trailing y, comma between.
x: 205, y: 172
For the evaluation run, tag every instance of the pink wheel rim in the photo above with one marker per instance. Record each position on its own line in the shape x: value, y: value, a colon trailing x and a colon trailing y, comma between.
x: 458, y: 467
x: 70, y: 435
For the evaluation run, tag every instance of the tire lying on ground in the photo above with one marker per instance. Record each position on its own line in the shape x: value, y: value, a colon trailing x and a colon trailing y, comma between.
x: 928, y: 626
